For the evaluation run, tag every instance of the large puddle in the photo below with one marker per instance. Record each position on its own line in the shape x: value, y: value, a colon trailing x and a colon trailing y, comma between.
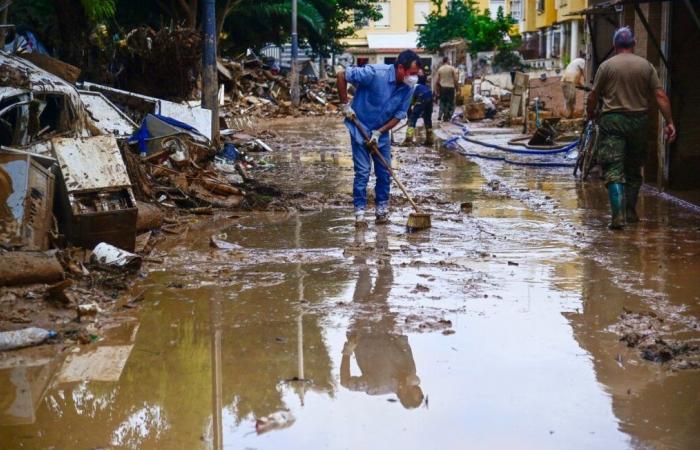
x: 489, y: 331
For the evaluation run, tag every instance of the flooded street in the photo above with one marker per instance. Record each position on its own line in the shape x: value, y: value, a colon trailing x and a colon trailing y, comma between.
x: 497, y: 328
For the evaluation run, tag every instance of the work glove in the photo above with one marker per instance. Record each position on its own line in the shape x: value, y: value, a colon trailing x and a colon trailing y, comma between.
x: 374, y: 139
x: 348, y: 112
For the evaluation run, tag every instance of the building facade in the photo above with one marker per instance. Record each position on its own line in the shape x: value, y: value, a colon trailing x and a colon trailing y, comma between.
x: 552, y: 30
x: 380, y: 41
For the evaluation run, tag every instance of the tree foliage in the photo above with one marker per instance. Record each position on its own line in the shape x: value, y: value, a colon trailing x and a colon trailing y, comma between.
x: 64, y: 25
x: 507, y: 58
x: 341, y: 18
x: 463, y: 20
x: 254, y: 23
x: 98, y: 10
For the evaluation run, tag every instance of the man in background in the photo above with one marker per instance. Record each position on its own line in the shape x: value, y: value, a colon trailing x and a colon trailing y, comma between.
x: 445, y: 88
x: 573, y: 76
x: 421, y: 107
x: 623, y: 86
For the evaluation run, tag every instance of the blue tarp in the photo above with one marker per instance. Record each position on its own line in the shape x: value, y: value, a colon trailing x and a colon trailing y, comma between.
x: 144, y: 133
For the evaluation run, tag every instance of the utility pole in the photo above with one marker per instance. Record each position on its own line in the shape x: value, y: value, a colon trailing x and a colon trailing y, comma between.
x: 3, y: 22
x: 210, y: 80
x: 295, y: 55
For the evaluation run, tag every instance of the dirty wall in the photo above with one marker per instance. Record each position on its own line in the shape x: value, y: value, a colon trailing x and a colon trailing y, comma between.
x: 674, y: 31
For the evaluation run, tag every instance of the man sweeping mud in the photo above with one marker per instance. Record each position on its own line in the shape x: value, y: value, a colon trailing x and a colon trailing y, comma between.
x: 382, y: 95
x: 623, y: 85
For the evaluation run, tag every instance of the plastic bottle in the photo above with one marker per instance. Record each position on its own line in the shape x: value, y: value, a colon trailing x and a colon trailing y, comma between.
x: 24, y: 338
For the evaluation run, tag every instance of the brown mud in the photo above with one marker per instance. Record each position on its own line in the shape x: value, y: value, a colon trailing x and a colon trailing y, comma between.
x: 284, y: 327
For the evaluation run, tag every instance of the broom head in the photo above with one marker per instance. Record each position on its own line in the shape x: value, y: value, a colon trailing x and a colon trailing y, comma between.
x: 418, y: 221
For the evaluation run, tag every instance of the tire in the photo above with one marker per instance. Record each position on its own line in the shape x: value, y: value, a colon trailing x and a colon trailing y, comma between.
x: 591, y: 153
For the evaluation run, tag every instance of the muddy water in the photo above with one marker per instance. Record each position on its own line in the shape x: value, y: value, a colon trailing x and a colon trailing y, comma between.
x: 490, y: 331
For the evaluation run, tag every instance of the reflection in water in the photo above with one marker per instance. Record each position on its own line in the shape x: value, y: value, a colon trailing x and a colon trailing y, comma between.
x: 216, y: 390
x: 382, y: 353
x: 639, y: 271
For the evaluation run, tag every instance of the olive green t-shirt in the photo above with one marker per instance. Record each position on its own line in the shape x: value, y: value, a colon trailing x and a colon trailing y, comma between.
x: 626, y: 82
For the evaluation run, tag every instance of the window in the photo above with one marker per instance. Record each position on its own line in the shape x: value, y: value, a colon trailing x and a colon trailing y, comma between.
x: 421, y: 10
x: 494, y: 5
x: 516, y: 9
x: 540, y: 6
x: 360, y: 22
x: 384, y: 11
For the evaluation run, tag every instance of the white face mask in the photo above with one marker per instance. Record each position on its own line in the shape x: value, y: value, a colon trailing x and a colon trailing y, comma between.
x: 411, y: 80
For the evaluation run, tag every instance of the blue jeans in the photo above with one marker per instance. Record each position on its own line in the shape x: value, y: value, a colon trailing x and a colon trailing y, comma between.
x: 362, y: 160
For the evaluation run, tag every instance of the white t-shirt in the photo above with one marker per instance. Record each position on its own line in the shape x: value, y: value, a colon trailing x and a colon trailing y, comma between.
x: 574, y: 70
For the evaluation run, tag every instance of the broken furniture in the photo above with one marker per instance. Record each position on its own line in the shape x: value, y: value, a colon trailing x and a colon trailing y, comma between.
x: 96, y: 200
x: 26, y: 201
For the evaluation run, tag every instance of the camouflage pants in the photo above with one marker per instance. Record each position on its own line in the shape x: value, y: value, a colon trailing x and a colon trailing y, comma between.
x: 447, y: 103
x: 622, y: 147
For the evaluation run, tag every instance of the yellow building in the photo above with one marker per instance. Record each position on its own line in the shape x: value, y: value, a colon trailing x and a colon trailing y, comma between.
x: 381, y: 41
x: 552, y: 34
x: 571, y: 25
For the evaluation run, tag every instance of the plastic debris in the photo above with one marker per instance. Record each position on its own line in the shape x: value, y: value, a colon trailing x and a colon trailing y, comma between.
x: 27, y: 337
x: 109, y: 256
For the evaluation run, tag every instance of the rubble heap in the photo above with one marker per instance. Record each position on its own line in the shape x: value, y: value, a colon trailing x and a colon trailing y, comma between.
x: 147, y: 58
x: 253, y: 88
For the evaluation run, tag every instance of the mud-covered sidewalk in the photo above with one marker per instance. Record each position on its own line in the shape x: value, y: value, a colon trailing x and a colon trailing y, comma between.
x: 517, y: 321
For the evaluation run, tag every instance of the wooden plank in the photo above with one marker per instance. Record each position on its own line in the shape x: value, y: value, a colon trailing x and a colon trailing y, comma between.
x: 516, y: 101
x: 55, y: 66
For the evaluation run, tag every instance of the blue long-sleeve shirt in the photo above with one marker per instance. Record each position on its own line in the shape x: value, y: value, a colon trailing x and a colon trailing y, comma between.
x: 378, y: 98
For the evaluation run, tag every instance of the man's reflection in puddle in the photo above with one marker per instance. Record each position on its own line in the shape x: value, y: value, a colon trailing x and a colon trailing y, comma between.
x: 382, y: 353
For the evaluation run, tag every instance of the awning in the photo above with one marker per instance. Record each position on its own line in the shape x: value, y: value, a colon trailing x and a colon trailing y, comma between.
x: 392, y: 40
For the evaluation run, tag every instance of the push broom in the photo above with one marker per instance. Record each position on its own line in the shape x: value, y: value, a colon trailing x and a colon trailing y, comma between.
x: 417, y: 220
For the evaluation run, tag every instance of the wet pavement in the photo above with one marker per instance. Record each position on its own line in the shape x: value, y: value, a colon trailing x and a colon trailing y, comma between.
x: 495, y: 329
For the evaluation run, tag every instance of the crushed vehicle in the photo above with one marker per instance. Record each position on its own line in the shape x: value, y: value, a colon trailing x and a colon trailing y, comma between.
x: 45, y: 135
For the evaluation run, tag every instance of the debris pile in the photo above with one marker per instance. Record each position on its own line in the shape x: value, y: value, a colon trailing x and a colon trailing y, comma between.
x: 147, y: 58
x: 93, y: 177
x: 79, y: 180
x: 254, y: 88
x: 650, y: 334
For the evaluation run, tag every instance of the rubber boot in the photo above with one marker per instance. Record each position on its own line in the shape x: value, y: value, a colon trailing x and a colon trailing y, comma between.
x: 360, y: 222
x: 616, y: 193
x: 631, y: 196
x: 382, y: 215
x: 408, y: 140
x: 429, y: 137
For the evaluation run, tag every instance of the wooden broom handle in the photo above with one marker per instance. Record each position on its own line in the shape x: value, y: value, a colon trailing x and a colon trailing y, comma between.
x: 375, y: 150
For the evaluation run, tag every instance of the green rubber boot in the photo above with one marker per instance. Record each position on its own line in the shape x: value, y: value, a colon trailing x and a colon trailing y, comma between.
x: 616, y: 193
x: 408, y: 140
x: 631, y: 197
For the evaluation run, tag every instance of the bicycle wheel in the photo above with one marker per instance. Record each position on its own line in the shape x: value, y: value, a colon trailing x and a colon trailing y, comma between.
x: 582, y: 150
x: 591, y: 153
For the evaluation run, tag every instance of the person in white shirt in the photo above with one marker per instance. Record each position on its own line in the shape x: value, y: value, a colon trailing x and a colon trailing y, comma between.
x: 573, y: 76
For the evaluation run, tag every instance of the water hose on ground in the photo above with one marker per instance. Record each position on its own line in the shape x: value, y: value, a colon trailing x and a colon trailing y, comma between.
x: 450, y: 143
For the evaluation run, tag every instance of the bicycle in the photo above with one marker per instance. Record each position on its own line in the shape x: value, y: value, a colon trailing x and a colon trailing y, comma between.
x: 587, y: 150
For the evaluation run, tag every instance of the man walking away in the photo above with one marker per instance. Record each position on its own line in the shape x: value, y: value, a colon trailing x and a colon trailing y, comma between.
x: 623, y: 86
x: 573, y: 76
x: 422, y: 108
x: 383, y: 93
x: 446, y: 85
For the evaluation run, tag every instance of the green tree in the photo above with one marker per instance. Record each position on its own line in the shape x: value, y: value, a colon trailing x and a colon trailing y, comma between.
x: 463, y: 20
x: 254, y: 23
x: 98, y: 10
x: 342, y: 18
